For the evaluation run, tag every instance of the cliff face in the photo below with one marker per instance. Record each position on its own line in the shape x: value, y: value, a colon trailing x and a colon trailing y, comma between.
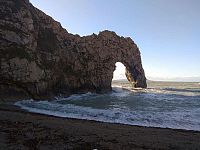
x: 40, y: 59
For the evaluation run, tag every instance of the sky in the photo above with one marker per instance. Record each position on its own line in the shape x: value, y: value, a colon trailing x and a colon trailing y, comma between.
x: 167, y: 32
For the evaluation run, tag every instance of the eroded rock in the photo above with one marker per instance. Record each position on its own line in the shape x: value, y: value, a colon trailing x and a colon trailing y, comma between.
x: 41, y: 59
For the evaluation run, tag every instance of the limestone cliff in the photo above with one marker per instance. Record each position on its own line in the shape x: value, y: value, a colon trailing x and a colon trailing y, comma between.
x: 40, y: 59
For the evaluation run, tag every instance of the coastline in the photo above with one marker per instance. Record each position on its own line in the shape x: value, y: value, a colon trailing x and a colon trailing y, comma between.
x: 24, y: 130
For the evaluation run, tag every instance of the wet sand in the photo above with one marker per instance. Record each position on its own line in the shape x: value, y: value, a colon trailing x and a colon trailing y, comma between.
x: 22, y: 130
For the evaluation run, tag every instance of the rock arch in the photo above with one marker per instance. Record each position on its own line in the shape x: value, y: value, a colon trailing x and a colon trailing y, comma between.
x: 40, y: 57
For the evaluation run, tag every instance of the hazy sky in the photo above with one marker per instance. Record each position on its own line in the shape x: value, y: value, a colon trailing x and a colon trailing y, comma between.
x: 166, y: 31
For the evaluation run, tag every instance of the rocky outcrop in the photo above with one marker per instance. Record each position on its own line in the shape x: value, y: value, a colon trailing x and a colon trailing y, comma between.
x: 40, y: 59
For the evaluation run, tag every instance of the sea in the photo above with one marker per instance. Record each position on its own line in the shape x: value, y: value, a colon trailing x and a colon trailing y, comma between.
x: 173, y: 105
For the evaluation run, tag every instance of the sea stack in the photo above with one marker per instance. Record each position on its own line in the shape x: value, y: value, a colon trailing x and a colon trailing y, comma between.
x: 39, y: 59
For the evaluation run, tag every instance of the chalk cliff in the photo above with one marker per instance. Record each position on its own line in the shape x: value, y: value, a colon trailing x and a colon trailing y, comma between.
x: 39, y: 59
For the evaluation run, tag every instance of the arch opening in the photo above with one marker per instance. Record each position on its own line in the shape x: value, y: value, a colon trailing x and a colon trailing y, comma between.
x: 119, y: 76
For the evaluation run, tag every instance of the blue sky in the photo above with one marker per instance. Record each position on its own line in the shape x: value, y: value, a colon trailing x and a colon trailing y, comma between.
x: 166, y: 31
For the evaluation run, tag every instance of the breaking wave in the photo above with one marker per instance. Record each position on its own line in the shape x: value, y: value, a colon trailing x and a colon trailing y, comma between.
x: 165, y: 107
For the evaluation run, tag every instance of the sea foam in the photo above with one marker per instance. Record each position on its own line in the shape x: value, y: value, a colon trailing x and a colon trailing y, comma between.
x: 153, y: 107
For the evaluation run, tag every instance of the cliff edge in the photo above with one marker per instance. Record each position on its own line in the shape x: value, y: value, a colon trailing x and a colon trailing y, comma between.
x: 39, y: 59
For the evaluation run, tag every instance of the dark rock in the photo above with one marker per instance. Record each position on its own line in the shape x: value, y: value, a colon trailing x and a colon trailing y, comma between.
x: 40, y: 59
